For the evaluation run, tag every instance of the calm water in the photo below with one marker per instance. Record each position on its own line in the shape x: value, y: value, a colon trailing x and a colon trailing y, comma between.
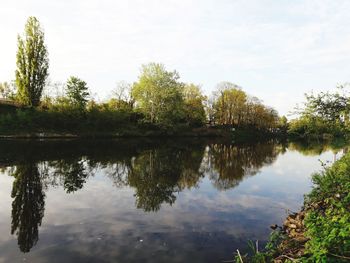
x: 146, y: 201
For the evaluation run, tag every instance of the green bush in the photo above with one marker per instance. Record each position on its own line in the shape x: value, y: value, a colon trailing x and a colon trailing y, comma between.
x: 314, y: 127
x: 4, y: 109
x: 328, y: 222
x: 67, y: 119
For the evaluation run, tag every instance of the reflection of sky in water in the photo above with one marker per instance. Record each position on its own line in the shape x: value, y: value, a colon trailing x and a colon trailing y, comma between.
x: 100, y: 222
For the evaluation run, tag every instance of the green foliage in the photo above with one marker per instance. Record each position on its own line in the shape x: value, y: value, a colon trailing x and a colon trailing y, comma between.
x: 6, y: 108
x: 77, y: 92
x: 230, y: 103
x: 158, y: 94
x: 158, y: 101
x: 116, y: 104
x: 194, y: 105
x: 7, y: 91
x: 328, y: 106
x: 67, y: 119
x: 324, y: 114
x: 265, y: 255
x: 283, y: 124
x: 328, y: 222
x: 32, y: 64
x: 314, y: 127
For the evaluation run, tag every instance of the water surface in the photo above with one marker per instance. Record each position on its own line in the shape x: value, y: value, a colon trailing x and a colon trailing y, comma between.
x: 146, y: 201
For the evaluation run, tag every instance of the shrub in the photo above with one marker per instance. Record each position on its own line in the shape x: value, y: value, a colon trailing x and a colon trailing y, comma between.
x: 328, y: 222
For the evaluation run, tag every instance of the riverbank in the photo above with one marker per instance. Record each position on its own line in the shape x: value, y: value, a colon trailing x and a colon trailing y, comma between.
x: 122, y: 133
x: 320, y: 232
x: 113, y: 135
x: 137, y: 131
x: 110, y: 120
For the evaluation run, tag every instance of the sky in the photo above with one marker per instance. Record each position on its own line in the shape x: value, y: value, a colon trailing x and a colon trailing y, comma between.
x: 276, y: 50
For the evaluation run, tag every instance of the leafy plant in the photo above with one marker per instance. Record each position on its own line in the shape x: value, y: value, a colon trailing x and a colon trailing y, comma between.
x: 328, y: 222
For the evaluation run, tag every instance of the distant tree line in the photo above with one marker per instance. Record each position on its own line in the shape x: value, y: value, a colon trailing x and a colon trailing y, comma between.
x: 157, y: 99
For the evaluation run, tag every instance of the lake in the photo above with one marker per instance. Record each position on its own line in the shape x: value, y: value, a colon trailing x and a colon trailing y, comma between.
x: 189, y: 200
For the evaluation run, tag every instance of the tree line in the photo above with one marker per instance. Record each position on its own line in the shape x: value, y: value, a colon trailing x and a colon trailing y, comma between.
x: 158, y: 97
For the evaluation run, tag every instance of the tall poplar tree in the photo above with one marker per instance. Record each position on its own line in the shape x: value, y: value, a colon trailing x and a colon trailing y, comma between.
x: 32, y: 64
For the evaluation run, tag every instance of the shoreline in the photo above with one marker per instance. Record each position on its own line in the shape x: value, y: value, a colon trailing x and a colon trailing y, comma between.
x: 104, y: 136
x: 320, y: 230
x: 201, y: 132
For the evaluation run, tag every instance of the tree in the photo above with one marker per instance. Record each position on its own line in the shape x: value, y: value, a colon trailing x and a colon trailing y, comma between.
x: 261, y: 116
x: 323, y: 113
x: 7, y: 90
x: 122, y: 91
x: 283, y: 124
x: 32, y: 64
x: 229, y: 104
x: 210, y: 111
x: 121, y: 97
x: 158, y: 94
x: 232, y: 106
x: 194, y: 105
x: 77, y: 92
x: 330, y: 107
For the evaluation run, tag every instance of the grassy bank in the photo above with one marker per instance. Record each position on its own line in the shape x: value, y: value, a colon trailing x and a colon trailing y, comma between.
x: 74, y: 123
x: 320, y: 232
x: 105, y: 123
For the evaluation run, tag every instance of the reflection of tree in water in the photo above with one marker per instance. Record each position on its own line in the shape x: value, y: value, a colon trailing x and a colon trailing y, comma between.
x: 191, y: 167
x: 228, y: 164
x: 154, y: 179
x: 118, y: 173
x: 314, y: 148
x: 73, y: 173
x: 157, y: 174
x: 28, y: 205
